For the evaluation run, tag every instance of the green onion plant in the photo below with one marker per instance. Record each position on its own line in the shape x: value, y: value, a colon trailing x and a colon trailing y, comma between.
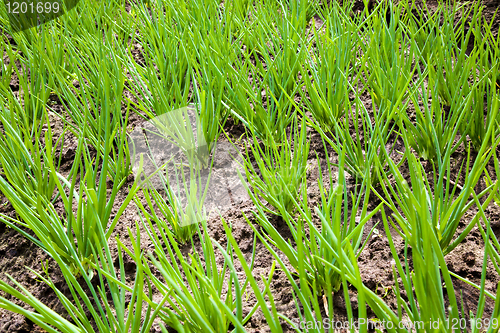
x: 427, y: 282
x: 433, y: 133
x: 485, y: 99
x: 372, y: 132
x: 443, y: 200
x: 127, y: 308
x: 337, y: 222
x: 193, y: 286
x: 389, y: 59
x: 451, y: 67
x: 331, y: 64
x: 33, y: 189
x: 264, y: 104
x: 160, y: 74
x: 280, y: 169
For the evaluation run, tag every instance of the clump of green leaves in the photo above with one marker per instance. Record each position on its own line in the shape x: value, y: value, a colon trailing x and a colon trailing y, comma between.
x: 339, y: 223
x: 444, y: 203
x: 89, y: 304
x: 264, y: 104
x: 389, y: 69
x: 184, y: 177
x: 280, y: 169
x: 331, y: 66
x: 33, y: 189
x: 200, y: 294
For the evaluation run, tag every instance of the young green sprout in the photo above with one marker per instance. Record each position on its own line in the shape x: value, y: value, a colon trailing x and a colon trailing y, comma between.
x: 331, y: 65
x: 280, y: 169
x: 177, y: 164
x: 444, y: 204
x: 339, y: 223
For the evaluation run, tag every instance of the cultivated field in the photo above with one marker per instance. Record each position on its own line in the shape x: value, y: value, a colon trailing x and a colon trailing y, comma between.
x: 251, y: 166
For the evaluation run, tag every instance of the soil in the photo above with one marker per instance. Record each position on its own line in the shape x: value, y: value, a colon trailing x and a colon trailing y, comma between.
x: 17, y: 253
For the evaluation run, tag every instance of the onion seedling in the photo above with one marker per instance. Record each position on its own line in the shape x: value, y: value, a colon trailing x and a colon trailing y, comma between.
x: 7, y: 70
x: 193, y: 286
x: 90, y: 305
x: 264, y: 104
x: 444, y: 204
x: 428, y: 295
x: 268, y: 308
x: 435, y: 129
x: 331, y: 65
x: 160, y: 74
x: 94, y: 113
x: 201, y: 48
x: 371, y: 135
x: 423, y: 29
x: 32, y: 199
x: 451, y: 67
x: 337, y: 220
x: 182, y: 166
x: 389, y: 57
x: 485, y: 98
x: 280, y: 169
